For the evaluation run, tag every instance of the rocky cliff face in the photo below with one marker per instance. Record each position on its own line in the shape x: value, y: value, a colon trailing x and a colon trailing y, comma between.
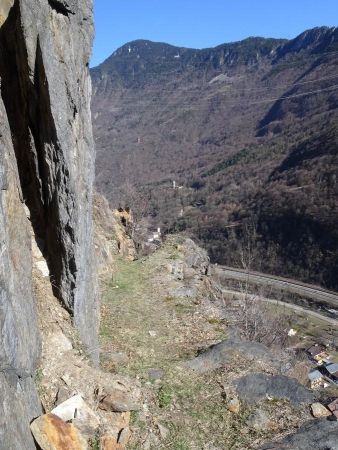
x: 46, y: 173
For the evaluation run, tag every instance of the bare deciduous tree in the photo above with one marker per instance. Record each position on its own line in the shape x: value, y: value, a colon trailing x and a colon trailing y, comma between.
x: 258, y: 321
x: 248, y: 248
x: 262, y: 323
x: 131, y: 197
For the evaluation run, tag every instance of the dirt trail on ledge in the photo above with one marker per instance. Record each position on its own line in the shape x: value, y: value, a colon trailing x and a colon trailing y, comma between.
x: 152, y: 320
x: 144, y: 320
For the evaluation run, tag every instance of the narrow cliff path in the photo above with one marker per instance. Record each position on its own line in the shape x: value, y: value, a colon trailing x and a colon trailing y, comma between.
x: 155, y: 329
x: 143, y: 320
x: 151, y: 322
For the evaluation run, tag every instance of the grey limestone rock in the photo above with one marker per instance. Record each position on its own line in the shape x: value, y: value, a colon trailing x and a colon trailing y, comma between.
x: 19, y: 336
x: 259, y: 420
x: 45, y: 87
x: 229, y: 351
x: 47, y: 165
x: 258, y: 386
x: 19, y: 405
x: 320, y: 434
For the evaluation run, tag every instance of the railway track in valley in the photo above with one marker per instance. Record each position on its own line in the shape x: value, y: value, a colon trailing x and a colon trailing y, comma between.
x: 317, y: 297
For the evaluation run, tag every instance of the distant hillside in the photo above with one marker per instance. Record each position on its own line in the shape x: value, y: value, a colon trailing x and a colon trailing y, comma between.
x: 249, y: 129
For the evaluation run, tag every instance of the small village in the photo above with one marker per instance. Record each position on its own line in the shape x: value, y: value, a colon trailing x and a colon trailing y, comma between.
x: 322, y: 376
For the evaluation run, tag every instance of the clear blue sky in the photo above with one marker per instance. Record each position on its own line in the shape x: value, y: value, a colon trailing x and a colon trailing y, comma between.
x: 204, y: 23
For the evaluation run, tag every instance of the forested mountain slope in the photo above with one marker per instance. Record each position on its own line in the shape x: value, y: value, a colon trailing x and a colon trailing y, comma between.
x: 250, y: 132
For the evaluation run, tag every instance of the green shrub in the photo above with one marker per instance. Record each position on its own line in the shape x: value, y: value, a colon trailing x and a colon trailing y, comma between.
x: 165, y: 396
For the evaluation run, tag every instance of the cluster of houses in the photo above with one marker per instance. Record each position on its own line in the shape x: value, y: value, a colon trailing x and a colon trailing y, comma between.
x: 155, y: 238
x: 176, y: 186
x: 324, y: 374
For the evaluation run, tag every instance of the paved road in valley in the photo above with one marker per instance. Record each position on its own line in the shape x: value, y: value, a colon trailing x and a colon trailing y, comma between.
x: 307, y: 291
x: 297, y: 308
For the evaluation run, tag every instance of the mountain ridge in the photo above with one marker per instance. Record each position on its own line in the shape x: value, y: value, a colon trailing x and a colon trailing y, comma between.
x: 307, y: 36
x: 220, y: 122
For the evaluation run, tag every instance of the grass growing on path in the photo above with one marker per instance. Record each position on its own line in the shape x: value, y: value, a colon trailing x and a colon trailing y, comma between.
x: 139, y: 318
x: 156, y: 330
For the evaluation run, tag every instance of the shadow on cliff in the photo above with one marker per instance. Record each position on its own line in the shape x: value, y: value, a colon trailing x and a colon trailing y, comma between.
x: 41, y: 166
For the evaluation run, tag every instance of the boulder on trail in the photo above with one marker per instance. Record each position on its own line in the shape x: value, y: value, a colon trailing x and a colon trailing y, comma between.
x: 258, y: 386
x: 82, y: 416
x: 52, y: 433
x: 319, y: 410
x: 228, y: 351
x: 320, y: 434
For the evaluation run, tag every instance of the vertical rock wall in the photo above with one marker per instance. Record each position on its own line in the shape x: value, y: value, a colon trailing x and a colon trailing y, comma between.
x: 19, y: 335
x: 47, y: 164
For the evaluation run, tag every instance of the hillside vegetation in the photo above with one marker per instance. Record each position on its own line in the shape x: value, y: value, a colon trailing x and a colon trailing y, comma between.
x: 249, y: 130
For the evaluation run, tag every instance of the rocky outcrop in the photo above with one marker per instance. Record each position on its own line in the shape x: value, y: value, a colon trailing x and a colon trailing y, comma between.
x: 314, y: 39
x: 258, y: 386
x: 228, y: 351
x: 46, y: 173
x: 111, y: 235
x: 19, y: 341
x: 97, y: 403
x: 318, y: 434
